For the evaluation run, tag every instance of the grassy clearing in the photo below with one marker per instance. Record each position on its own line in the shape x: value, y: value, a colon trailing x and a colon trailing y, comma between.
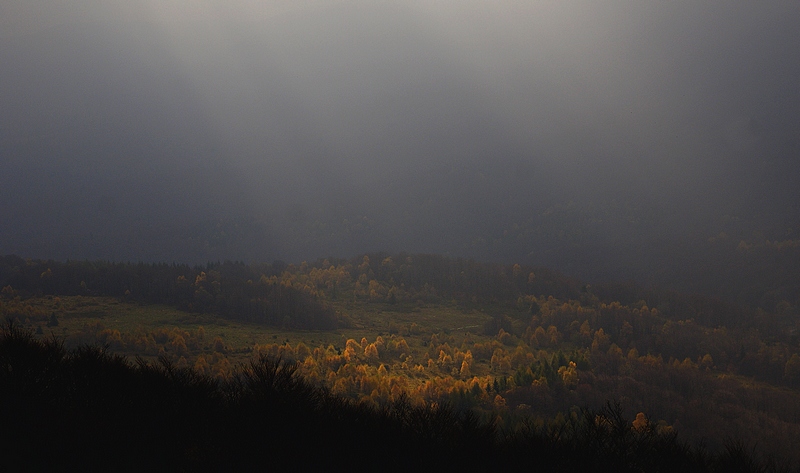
x: 415, y: 324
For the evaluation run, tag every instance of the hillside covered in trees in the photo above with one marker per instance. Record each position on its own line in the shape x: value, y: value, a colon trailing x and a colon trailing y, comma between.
x: 516, y: 347
x: 90, y: 409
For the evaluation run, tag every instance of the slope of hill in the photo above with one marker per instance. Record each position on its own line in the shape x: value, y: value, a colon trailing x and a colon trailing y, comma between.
x: 520, y: 345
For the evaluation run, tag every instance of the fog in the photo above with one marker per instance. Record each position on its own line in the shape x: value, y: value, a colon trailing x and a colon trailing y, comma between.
x: 596, y: 138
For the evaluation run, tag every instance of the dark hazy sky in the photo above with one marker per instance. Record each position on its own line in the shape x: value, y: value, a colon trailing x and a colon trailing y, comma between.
x: 554, y: 133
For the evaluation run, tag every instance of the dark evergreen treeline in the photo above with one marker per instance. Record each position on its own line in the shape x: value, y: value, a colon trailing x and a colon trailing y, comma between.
x: 232, y: 290
x: 224, y: 282
x: 299, y: 296
x: 296, y: 296
x: 91, y: 410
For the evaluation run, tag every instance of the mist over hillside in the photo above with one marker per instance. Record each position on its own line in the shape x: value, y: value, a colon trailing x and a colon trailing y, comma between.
x: 622, y: 141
